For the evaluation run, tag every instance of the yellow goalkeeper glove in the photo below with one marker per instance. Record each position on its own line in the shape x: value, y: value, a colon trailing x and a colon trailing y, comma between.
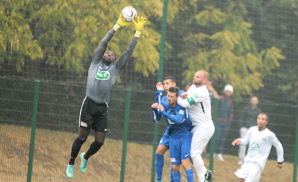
x: 120, y: 23
x: 139, y: 25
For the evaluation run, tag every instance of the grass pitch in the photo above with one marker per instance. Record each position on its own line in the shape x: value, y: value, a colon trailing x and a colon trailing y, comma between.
x: 52, y: 152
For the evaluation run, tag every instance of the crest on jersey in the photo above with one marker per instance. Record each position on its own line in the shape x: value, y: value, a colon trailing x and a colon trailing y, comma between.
x: 102, y: 75
x: 181, y: 112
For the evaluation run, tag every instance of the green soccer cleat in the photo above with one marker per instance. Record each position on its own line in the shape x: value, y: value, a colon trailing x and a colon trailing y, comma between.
x: 69, y: 171
x: 83, y: 165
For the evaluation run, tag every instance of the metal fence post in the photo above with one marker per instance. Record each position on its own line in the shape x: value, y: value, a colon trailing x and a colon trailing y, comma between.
x: 296, y: 149
x: 33, y: 127
x: 212, y: 149
x: 125, y: 134
x: 160, y: 75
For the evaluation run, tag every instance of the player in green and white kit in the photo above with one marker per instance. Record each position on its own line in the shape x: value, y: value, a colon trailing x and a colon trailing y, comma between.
x: 102, y: 76
x: 197, y: 101
x: 260, y: 140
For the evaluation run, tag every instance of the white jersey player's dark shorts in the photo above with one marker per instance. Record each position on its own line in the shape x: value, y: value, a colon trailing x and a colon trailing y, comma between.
x: 93, y: 115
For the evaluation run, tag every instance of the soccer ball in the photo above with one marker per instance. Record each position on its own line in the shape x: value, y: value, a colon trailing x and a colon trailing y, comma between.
x: 129, y: 13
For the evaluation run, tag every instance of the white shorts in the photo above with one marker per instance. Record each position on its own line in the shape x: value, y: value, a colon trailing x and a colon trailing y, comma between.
x: 200, y: 138
x: 251, y: 172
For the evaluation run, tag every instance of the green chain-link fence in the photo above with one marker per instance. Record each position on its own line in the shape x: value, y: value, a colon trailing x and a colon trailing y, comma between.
x: 57, y: 124
x: 251, y: 44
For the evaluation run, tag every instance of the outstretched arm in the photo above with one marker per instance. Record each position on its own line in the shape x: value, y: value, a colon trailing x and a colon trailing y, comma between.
x: 104, y: 42
x: 279, y: 150
x: 126, y: 54
x: 102, y: 46
x: 242, y: 141
x: 124, y: 58
x: 236, y: 142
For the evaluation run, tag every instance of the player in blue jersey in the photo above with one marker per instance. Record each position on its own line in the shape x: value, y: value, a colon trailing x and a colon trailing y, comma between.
x: 163, y: 146
x: 179, y: 126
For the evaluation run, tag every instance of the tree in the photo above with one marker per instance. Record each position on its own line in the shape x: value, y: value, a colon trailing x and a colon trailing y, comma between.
x: 65, y: 33
x: 71, y: 30
x: 221, y: 44
x: 275, y: 21
x: 16, y: 40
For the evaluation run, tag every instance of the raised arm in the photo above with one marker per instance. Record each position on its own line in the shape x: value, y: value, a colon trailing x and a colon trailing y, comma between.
x: 158, y: 96
x: 124, y: 58
x: 139, y: 25
x: 103, y: 46
x: 211, y: 89
x: 99, y: 52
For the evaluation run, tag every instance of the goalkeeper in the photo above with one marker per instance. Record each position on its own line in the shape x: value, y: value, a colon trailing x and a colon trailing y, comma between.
x: 102, y: 76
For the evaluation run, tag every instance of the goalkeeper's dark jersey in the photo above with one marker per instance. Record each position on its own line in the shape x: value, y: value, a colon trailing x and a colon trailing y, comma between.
x: 102, y: 78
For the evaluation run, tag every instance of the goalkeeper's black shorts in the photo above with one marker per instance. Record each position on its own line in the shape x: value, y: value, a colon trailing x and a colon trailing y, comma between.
x: 93, y: 115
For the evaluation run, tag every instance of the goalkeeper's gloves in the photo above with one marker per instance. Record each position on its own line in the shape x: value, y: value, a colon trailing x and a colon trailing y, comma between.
x: 120, y: 23
x: 139, y: 25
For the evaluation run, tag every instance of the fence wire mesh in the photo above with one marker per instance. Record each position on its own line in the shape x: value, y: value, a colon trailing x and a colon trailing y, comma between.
x: 251, y: 44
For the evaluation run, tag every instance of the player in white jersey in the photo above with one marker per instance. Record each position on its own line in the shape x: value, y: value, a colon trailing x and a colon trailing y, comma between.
x: 260, y: 140
x: 197, y: 101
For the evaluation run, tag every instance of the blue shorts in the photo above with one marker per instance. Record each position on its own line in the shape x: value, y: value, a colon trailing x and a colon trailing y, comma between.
x: 164, y: 140
x: 180, y: 147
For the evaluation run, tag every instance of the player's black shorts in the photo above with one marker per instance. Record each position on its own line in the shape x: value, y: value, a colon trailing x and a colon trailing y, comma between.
x: 93, y: 115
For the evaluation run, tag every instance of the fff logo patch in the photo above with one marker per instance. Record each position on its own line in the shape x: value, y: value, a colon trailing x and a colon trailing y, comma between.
x: 102, y: 75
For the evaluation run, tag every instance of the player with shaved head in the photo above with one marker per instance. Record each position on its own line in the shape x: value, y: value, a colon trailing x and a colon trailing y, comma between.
x: 197, y: 101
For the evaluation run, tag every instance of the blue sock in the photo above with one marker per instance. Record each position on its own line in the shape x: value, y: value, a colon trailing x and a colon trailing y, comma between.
x: 159, y: 161
x: 172, y: 177
x: 177, y: 176
x: 189, y: 175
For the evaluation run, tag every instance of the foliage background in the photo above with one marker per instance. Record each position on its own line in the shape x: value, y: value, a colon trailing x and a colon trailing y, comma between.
x: 249, y: 44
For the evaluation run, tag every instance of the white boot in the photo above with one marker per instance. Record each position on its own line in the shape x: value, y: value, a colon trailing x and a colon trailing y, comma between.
x: 219, y: 157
